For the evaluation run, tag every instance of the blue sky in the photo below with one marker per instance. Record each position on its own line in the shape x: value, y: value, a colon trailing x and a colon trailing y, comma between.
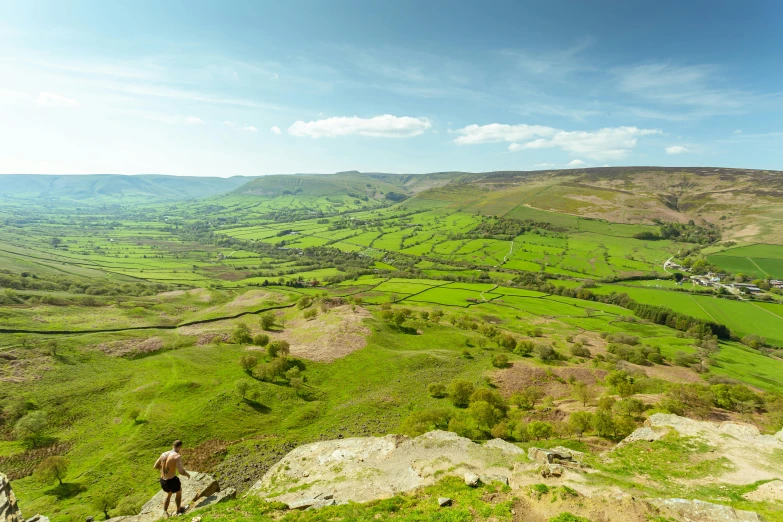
x: 227, y: 88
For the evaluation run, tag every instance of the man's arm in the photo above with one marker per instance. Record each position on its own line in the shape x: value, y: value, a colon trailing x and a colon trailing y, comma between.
x: 181, y: 468
x: 158, y: 463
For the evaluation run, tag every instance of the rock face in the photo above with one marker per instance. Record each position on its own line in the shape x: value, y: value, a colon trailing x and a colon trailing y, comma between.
x: 367, y: 468
x: 199, y: 491
x: 698, y: 511
x: 9, y: 510
x: 742, y: 445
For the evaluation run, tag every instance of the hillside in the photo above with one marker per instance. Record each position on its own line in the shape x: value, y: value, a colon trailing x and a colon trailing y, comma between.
x: 298, y: 309
x: 113, y: 187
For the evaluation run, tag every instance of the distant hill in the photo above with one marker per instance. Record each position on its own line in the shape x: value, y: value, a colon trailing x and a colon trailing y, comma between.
x: 114, y: 187
x: 352, y: 184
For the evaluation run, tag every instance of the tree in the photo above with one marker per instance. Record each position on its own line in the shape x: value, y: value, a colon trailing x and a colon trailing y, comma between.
x: 399, y: 317
x: 604, y: 423
x: 545, y: 352
x: 241, y: 387
x: 540, y: 429
x: 248, y: 362
x: 133, y: 414
x: 310, y: 314
x: 55, y: 242
x: 579, y: 422
x: 104, y: 502
x: 31, y: 427
x: 630, y: 407
x: 261, y: 340
x: 460, y: 392
x: 51, y: 469
x: 279, y: 348
x: 579, y: 350
x: 484, y: 414
x: 304, y: 302
x: 267, y: 320
x: 241, y: 334
x: 583, y: 393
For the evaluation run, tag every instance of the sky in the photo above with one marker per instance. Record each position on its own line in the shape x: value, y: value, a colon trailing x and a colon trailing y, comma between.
x: 249, y: 88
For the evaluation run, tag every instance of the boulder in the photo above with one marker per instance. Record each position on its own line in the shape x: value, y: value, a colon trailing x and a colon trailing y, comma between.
x: 198, y: 491
x: 471, y: 479
x: 558, y: 455
x: 368, y: 468
x: 444, y: 501
x: 699, y: 511
x: 38, y: 518
x: 9, y: 509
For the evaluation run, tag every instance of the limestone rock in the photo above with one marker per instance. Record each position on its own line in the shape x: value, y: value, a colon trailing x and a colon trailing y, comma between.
x: 38, y: 518
x: 9, y: 509
x: 368, y: 468
x: 646, y: 433
x: 444, y: 501
x: 553, y: 455
x: 215, y: 498
x: 699, y: 511
x: 505, y: 447
x: 471, y: 479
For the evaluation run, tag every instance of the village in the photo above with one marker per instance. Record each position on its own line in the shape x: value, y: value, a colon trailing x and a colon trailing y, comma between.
x: 723, y: 281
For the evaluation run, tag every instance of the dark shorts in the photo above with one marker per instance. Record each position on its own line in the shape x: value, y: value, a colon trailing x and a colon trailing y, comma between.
x: 171, y: 485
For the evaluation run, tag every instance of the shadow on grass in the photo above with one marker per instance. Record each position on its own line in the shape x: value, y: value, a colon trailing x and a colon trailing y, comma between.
x: 257, y: 406
x: 66, y: 490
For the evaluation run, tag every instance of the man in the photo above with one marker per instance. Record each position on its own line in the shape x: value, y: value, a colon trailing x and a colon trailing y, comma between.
x: 169, y: 463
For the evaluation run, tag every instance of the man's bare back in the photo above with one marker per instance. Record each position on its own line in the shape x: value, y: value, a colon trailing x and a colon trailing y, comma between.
x: 169, y: 464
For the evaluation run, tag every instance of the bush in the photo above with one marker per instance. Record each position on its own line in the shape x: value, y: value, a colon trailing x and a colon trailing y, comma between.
x: 500, y: 361
x: 261, y: 340
x: 545, y: 352
x: 524, y: 348
x: 310, y: 314
x: 579, y: 422
x: 241, y: 387
x: 436, y: 390
x: 460, y: 392
x: 579, y: 350
x: 133, y: 414
x: 51, y: 469
x: 304, y: 302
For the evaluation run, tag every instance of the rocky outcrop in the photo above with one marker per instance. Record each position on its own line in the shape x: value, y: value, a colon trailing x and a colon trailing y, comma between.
x: 199, y: 491
x: 698, y: 511
x: 741, y: 432
x: 367, y: 468
x: 646, y: 433
x: 767, y: 492
x: 9, y: 509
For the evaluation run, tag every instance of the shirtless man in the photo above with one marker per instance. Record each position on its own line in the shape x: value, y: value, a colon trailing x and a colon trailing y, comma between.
x: 169, y: 463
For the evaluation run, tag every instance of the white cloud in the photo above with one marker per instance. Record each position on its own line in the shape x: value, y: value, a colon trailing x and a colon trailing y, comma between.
x: 249, y: 128
x: 275, y: 130
x: 576, y: 163
x: 229, y: 124
x: 194, y: 120
x: 676, y: 149
x: 48, y: 99
x: 738, y: 131
x: 602, y: 144
x: 495, y: 132
x: 386, y: 126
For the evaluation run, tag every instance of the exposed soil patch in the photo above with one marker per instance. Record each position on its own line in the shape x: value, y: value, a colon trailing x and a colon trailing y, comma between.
x: 15, y: 369
x: 23, y: 464
x: 212, y: 338
x: 553, y: 381
x: 329, y: 336
x: 131, y: 347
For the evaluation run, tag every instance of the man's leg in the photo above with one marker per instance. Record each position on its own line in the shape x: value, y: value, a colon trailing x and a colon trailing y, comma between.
x: 178, y: 499
x: 166, y: 503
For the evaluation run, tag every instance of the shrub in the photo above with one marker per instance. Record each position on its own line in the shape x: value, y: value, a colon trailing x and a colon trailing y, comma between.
x: 545, y: 352
x: 241, y: 387
x: 304, y: 302
x: 51, y: 469
x: 524, y: 348
x: 460, y: 392
x: 261, y: 340
x: 248, y: 362
x: 133, y: 414
x: 491, y: 397
x: 436, y: 390
x: 500, y: 361
x: 579, y: 422
x: 310, y: 314
x: 104, y: 502
x: 579, y: 350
